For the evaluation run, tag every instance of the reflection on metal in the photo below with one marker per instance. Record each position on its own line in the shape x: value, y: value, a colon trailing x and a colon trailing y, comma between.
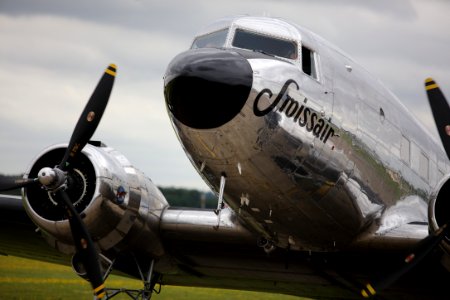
x: 366, y: 207
x: 408, y: 210
x: 245, y: 200
x: 202, y: 167
x: 239, y: 167
x: 112, y: 191
x: 199, y: 225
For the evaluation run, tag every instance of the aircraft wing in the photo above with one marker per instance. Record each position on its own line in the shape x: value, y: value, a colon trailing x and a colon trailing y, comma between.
x: 20, y: 237
x: 20, y: 232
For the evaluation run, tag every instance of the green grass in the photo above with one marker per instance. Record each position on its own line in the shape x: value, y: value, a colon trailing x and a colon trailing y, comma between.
x: 28, y: 279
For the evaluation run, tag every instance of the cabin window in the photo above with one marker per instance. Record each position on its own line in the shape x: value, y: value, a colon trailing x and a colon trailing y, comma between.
x: 405, y: 149
x: 309, y: 64
x: 423, y: 166
x: 419, y: 161
x: 215, y: 39
x: 265, y: 44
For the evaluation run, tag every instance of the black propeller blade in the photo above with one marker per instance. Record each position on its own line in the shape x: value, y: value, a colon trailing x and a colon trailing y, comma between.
x: 90, y: 117
x: 441, y: 112
x: 412, y: 259
x: 7, y: 183
x: 84, y: 245
x: 84, y: 130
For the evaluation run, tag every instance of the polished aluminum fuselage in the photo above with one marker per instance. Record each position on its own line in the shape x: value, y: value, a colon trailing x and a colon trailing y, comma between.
x: 316, y: 163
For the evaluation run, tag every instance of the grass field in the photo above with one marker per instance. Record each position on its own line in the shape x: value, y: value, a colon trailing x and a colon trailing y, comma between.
x: 28, y: 279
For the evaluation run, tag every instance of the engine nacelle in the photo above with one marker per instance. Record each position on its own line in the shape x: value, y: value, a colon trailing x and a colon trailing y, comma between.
x: 439, y: 209
x: 118, y: 204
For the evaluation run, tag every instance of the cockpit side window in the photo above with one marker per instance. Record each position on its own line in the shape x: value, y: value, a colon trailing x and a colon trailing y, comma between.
x: 265, y: 44
x: 309, y: 63
x: 215, y: 39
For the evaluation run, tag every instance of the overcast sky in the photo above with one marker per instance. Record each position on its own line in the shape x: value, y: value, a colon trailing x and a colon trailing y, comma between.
x: 52, y: 54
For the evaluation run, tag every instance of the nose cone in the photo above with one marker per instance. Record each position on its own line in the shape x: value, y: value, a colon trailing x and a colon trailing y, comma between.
x: 206, y: 88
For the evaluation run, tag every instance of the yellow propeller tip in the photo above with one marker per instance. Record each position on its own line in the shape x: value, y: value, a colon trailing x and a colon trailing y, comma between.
x: 368, y: 291
x: 430, y: 84
x: 111, y: 70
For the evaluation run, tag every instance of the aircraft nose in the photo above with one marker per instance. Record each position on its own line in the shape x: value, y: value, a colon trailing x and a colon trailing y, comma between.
x: 206, y: 88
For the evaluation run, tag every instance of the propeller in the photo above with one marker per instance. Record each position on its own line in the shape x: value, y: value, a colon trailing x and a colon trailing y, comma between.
x: 411, y: 260
x: 84, y: 245
x: 55, y: 179
x: 441, y: 114
x: 8, y: 183
x: 90, y: 117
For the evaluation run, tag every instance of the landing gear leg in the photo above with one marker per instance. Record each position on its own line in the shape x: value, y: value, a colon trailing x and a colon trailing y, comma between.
x: 220, y: 204
x: 149, y: 280
x: 148, y: 284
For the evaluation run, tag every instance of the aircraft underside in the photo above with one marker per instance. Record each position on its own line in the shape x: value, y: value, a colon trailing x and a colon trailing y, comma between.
x: 237, y: 262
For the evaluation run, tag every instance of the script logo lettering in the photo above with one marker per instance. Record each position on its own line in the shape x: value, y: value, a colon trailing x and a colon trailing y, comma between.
x: 302, y: 115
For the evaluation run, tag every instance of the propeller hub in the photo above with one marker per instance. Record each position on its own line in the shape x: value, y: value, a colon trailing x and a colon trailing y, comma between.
x: 52, y: 179
x: 46, y: 176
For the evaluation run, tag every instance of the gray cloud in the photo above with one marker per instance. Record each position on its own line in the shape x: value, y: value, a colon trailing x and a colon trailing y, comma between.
x: 53, y: 53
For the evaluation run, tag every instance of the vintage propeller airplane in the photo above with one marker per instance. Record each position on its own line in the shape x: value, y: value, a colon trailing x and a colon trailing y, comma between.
x: 324, y: 179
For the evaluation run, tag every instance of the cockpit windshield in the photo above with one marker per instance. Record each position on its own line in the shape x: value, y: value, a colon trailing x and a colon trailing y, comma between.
x: 215, y: 39
x: 265, y: 44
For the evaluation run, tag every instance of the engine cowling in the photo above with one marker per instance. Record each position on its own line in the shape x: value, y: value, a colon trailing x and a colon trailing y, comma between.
x: 118, y: 203
x: 439, y: 209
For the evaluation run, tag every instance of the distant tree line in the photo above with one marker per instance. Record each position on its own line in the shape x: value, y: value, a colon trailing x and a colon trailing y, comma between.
x: 12, y: 192
x: 189, y: 197
x: 175, y: 196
